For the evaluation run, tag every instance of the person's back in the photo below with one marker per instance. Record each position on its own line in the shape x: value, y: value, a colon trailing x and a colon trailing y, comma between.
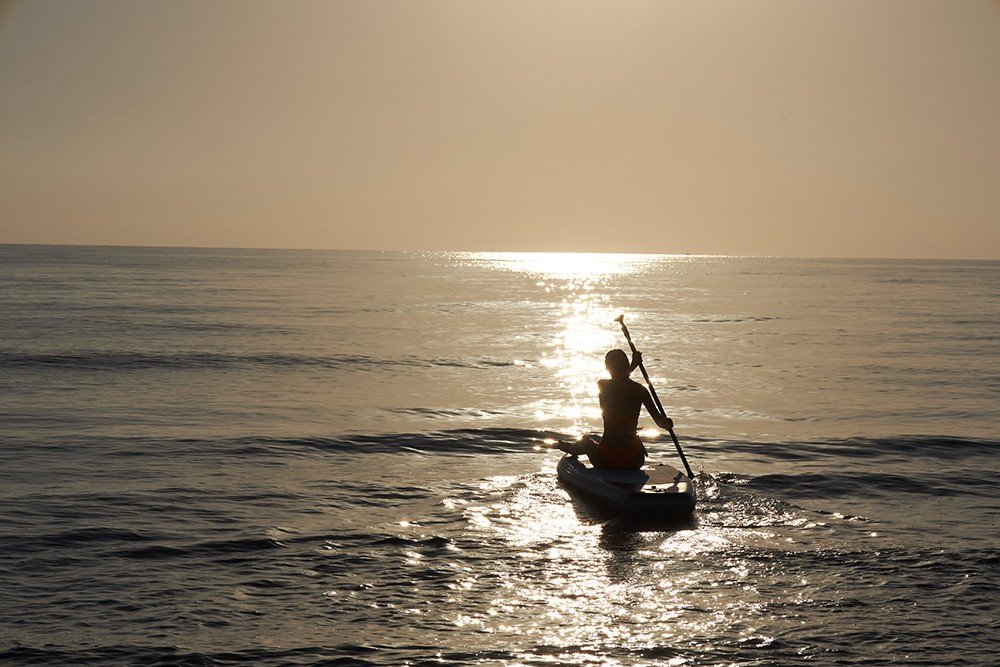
x: 621, y: 401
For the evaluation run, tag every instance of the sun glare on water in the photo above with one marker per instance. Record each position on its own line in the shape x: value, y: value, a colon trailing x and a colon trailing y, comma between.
x: 577, y: 286
x: 566, y: 265
x: 588, y: 585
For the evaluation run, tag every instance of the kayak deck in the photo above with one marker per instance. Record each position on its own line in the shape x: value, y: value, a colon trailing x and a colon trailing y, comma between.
x: 657, y: 491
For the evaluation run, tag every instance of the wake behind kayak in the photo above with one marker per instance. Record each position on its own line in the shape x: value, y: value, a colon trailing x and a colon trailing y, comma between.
x: 656, y: 492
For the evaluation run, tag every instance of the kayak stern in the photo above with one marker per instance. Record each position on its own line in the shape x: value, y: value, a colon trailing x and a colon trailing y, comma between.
x: 654, y: 492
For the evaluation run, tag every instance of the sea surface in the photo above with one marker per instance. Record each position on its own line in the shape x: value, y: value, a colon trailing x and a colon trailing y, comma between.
x: 213, y: 457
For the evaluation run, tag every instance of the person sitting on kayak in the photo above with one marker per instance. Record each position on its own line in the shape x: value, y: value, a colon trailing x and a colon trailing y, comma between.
x: 621, y: 401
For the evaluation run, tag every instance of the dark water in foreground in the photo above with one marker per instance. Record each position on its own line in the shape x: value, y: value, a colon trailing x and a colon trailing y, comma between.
x: 221, y: 457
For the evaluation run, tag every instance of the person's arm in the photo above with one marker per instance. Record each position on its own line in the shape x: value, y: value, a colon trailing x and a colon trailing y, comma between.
x: 636, y: 360
x: 661, y: 420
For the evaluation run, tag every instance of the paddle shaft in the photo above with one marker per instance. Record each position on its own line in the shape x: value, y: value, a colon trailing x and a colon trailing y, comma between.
x: 656, y: 401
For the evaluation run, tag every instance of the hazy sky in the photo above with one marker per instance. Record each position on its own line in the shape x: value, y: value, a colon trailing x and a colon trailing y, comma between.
x: 850, y: 128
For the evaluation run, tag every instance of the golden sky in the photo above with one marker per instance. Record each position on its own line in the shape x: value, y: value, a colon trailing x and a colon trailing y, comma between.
x: 792, y: 127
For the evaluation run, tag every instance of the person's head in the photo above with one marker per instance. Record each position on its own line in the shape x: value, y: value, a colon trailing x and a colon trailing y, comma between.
x: 617, y: 363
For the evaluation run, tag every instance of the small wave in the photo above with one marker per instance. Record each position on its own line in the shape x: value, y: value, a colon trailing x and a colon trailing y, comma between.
x: 457, y: 441
x: 162, y: 656
x: 72, y: 538
x: 155, y: 552
x: 473, y: 441
x: 907, y: 446
x: 736, y: 320
x: 817, y: 485
x: 240, y: 547
x: 394, y: 540
x: 348, y: 655
x: 129, y: 361
x: 903, y: 560
x: 447, y: 412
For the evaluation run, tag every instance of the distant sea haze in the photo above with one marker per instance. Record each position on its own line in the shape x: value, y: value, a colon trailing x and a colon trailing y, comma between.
x: 287, y: 457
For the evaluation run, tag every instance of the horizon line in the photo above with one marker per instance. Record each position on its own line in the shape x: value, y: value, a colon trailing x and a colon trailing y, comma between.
x: 430, y: 250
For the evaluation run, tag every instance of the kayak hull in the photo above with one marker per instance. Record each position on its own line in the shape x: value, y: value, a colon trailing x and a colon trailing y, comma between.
x: 655, y: 492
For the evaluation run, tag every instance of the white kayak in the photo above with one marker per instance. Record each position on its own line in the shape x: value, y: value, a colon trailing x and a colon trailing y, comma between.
x: 654, y: 492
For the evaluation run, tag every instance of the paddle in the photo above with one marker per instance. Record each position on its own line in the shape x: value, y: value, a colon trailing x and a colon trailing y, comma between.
x: 656, y: 399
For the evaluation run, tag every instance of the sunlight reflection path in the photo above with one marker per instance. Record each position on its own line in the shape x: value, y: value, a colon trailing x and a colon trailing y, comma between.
x: 583, y: 590
x: 587, y: 588
x: 579, y: 287
x: 567, y: 265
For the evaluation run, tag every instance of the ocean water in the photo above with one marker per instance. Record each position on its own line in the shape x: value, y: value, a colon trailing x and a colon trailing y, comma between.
x: 300, y: 457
